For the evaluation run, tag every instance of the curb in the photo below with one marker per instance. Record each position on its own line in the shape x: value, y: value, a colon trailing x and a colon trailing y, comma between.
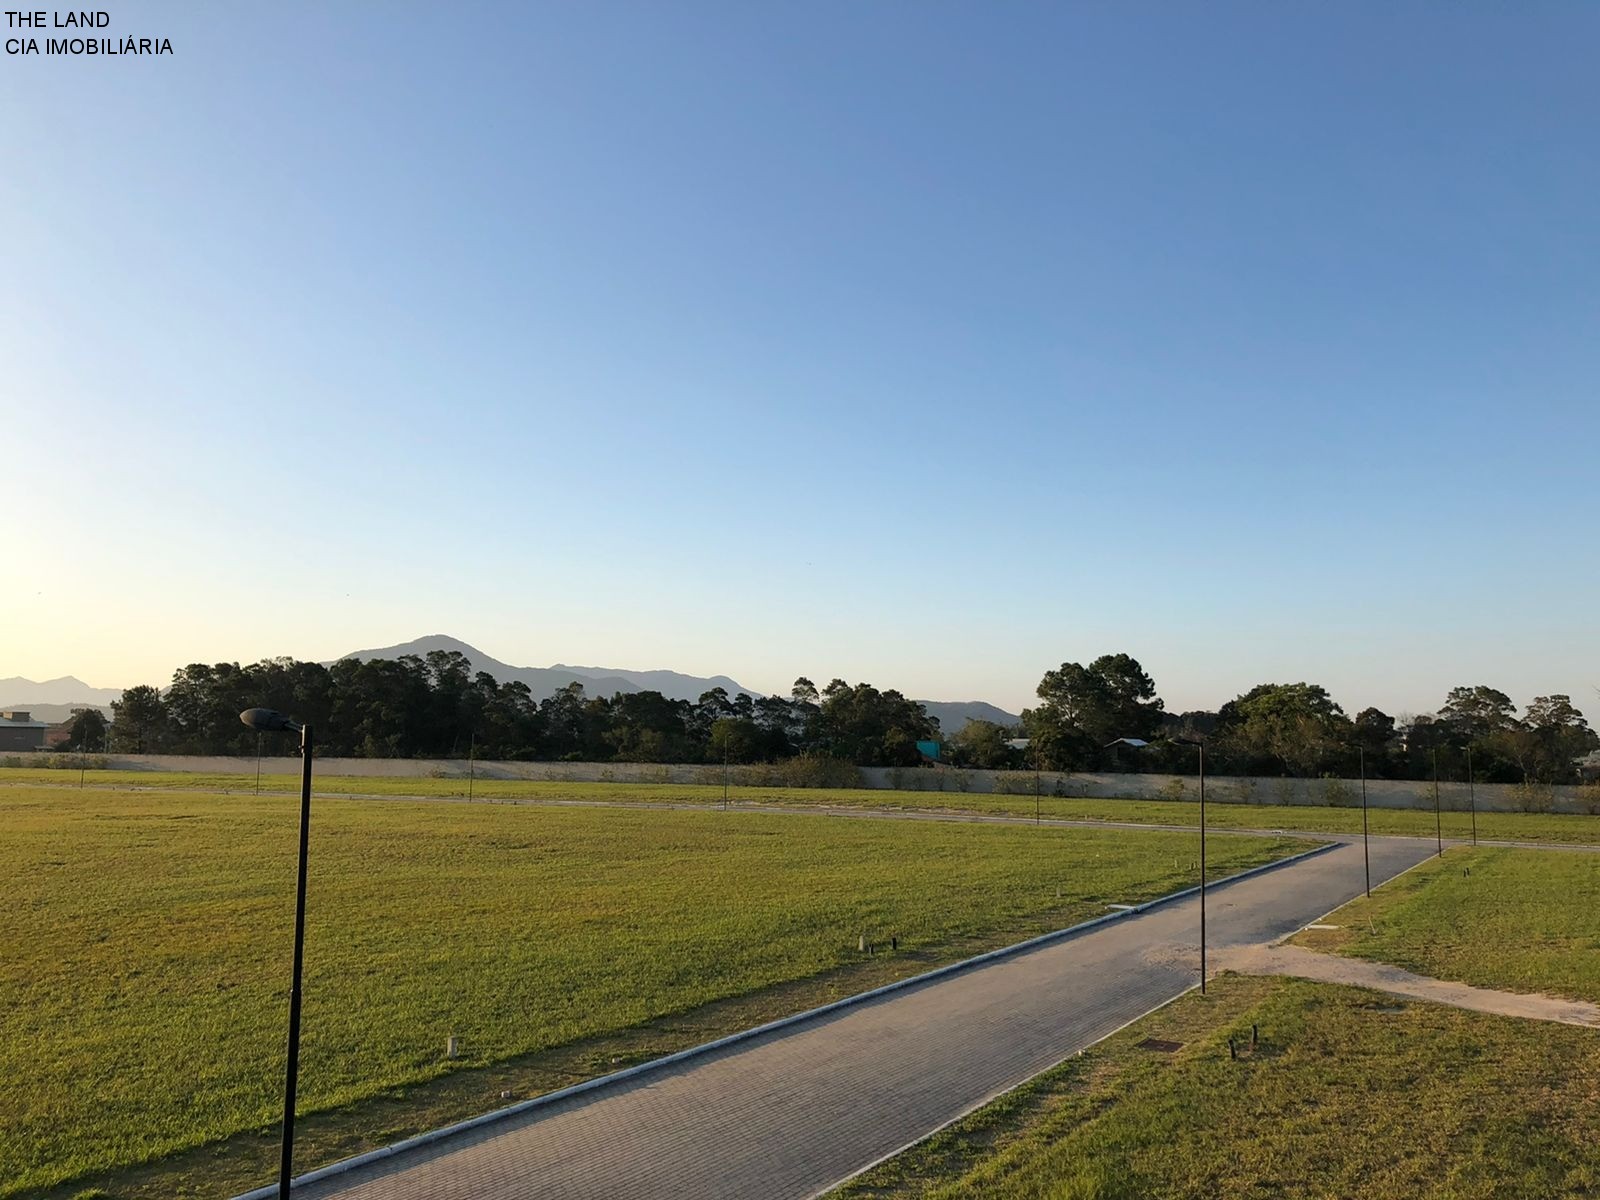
x: 270, y: 1191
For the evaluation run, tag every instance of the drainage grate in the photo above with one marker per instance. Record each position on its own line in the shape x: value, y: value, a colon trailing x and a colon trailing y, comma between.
x: 1158, y: 1044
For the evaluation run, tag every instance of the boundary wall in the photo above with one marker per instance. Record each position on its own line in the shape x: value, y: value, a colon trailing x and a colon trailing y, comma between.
x: 1223, y: 789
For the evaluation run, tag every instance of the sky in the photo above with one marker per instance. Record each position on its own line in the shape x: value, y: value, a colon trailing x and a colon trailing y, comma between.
x: 922, y: 343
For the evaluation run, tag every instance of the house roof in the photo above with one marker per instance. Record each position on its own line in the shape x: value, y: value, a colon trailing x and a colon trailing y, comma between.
x: 8, y: 723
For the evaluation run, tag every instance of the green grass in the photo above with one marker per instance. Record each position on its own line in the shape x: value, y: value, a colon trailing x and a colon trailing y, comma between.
x: 1571, y: 828
x: 1344, y: 1097
x: 144, y: 959
x: 1520, y: 920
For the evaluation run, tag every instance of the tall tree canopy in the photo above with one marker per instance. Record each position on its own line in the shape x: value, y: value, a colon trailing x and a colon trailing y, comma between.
x: 1084, y: 708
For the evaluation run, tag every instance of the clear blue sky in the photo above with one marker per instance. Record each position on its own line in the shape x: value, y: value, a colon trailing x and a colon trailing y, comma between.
x: 930, y: 344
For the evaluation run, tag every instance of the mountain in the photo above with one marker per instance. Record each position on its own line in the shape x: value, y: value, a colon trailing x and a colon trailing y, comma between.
x: 18, y: 692
x: 671, y: 684
x: 54, y: 714
x: 954, y: 714
x: 547, y: 681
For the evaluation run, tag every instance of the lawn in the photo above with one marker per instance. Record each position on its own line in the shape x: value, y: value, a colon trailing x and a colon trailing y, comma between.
x: 144, y: 961
x: 1520, y: 920
x: 1351, y: 1093
x: 1534, y: 827
x: 1348, y: 1094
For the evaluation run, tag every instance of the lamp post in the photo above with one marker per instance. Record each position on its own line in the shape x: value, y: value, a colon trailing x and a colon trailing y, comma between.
x: 1141, y: 744
x: 1472, y: 797
x: 266, y: 720
x: 1439, y: 828
x: 1366, y: 843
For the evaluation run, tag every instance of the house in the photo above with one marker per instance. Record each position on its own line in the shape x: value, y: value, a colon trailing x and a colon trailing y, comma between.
x: 1589, y: 767
x: 19, y: 731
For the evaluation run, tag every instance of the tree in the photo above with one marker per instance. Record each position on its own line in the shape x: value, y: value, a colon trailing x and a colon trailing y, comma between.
x: 871, y: 728
x: 1554, y: 735
x: 87, y: 732
x: 983, y: 744
x: 1295, y: 727
x: 139, y: 721
x: 1374, y: 732
x: 1473, y: 714
x: 1086, y: 708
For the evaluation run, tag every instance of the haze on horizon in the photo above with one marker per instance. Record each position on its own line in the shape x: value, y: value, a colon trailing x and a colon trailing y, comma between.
x: 928, y: 346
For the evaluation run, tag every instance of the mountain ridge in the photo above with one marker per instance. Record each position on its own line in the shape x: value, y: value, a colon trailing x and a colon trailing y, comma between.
x: 543, y: 682
x: 19, y: 692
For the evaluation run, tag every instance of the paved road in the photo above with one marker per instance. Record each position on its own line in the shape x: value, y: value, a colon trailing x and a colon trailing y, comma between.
x: 789, y: 1114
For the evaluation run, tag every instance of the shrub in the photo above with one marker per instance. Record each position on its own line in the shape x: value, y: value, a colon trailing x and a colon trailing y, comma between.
x: 1336, y: 793
x: 1533, y: 797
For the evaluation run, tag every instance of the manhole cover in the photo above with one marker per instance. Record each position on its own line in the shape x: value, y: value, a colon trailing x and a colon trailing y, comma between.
x: 1158, y: 1044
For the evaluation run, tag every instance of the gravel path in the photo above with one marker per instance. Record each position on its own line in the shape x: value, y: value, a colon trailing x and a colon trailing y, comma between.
x: 1333, y: 968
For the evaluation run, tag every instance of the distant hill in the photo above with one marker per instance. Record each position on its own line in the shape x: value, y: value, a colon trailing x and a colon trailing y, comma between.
x: 67, y: 692
x: 54, y: 714
x: 954, y: 714
x: 547, y: 681
x: 671, y: 684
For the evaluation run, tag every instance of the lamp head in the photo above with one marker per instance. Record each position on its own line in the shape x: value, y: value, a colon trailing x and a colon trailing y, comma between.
x: 268, y: 720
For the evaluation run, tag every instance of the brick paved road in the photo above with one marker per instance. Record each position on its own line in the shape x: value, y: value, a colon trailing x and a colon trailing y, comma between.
x: 789, y: 1114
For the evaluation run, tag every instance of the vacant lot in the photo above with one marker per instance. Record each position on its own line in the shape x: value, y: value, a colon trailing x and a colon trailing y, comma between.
x: 144, y: 961
x: 1521, y: 920
x: 1534, y: 827
x: 1348, y: 1094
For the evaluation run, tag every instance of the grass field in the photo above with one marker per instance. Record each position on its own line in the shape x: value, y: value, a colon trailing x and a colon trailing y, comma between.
x: 144, y: 961
x: 1534, y: 827
x: 1349, y: 1094
x: 1521, y: 920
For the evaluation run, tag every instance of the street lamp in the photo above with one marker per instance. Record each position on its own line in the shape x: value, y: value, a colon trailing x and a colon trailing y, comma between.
x: 1141, y: 744
x: 1366, y: 838
x: 266, y: 720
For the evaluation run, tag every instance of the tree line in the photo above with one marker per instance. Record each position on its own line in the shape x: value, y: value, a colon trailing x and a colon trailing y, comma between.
x: 437, y: 707
x: 1286, y: 729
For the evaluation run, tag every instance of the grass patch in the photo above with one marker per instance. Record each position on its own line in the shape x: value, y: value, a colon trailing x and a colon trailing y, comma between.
x: 1343, y: 1097
x: 1571, y: 828
x: 1519, y: 920
x: 144, y: 961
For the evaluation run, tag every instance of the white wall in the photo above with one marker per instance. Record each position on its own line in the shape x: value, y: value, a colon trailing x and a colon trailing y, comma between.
x: 1224, y: 789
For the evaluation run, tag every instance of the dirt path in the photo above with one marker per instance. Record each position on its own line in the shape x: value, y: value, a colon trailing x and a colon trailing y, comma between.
x: 1332, y: 968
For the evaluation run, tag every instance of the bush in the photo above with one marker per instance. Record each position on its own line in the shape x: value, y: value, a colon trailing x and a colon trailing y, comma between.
x: 1533, y: 797
x: 1336, y: 793
x: 1017, y: 783
x: 63, y: 762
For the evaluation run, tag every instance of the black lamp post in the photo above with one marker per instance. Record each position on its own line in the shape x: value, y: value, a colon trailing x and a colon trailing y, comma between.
x: 266, y: 720
x: 1141, y: 744
x: 1439, y: 828
x: 1366, y: 839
